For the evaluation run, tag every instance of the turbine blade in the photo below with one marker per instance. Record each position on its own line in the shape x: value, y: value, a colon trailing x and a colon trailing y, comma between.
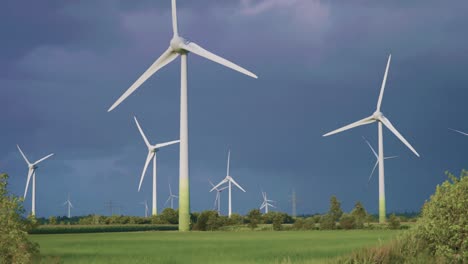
x: 272, y: 205
x: 219, y: 184
x: 71, y: 205
x: 382, y: 89
x: 365, y: 121
x: 167, y: 57
x: 262, y: 206
x: 391, y: 157
x: 162, y: 145
x: 196, y: 49
x: 168, y: 199
x: 174, y: 18
x: 24, y: 156
x: 30, y: 173
x: 142, y: 133
x: 224, y: 188
x: 238, y: 186
x: 373, y: 169
x: 463, y: 133
x: 389, y: 125
x: 228, y: 163
x: 170, y: 190
x: 211, y: 183
x: 148, y: 160
x: 370, y: 146
x: 44, y: 158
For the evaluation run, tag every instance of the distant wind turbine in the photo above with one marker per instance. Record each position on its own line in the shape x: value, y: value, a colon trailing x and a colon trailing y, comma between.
x: 180, y: 46
x: 463, y: 133
x: 377, y: 159
x: 266, y: 203
x: 69, y: 205
x: 171, y: 197
x: 217, y: 202
x: 32, y: 167
x: 378, y: 117
x: 230, y: 181
x: 152, y: 149
x: 145, y: 203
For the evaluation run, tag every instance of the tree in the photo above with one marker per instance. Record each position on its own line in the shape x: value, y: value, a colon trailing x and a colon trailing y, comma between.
x: 14, y: 244
x: 327, y: 222
x: 254, y: 217
x: 444, y: 222
x: 335, y: 209
x: 359, y: 214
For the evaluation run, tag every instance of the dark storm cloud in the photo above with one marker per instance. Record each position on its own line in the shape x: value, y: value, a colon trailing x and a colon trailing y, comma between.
x: 320, y: 65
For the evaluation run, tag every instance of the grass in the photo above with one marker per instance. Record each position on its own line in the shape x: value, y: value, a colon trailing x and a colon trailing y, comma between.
x: 207, y: 247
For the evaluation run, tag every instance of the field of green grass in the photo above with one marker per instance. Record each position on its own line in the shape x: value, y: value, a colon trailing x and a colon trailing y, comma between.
x: 207, y: 247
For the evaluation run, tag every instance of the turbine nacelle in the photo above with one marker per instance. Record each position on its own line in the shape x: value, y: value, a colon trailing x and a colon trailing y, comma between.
x: 377, y: 116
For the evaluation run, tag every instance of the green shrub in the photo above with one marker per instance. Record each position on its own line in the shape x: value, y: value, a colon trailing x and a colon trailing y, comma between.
x: 299, y: 224
x: 393, y: 222
x: 327, y: 222
x: 444, y: 220
x: 14, y: 244
x: 253, y: 218
x: 347, y: 221
x: 278, y: 222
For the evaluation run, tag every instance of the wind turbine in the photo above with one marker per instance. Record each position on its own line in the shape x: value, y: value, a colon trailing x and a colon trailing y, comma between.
x: 32, y: 167
x: 171, y: 197
x: 458, y: 131
x: 377, y: 116
x: 377, y: 159
x: 266, y: 203
x: 69, y: 204
x: 230, y: 181
x: 180, y: 46
x: 152, y: 149
x: 145, y: 203
x: 217, y: 202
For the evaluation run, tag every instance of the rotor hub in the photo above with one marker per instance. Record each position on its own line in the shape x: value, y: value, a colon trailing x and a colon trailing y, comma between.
x: 377, y: 115
x: 177, y: 43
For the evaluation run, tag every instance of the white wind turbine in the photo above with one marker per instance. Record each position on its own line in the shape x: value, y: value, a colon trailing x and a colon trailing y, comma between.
x: 152, y: 149
x: 32, y: 167
x: 458, y: 131
x: 145, y: 203
x: 171, y: 197
x: 69, y: 205
x: 217, y: 202
x: 266, y: 203
x: 180, y: 46
x: 376, y: 157
x: 230, y: 181
x: 377, y: 116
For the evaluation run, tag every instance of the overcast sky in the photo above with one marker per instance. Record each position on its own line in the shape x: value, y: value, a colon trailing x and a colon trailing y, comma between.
x: 320, y: 66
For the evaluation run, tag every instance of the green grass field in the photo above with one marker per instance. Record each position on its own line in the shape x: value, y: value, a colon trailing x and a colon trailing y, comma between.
x: 207, y: 247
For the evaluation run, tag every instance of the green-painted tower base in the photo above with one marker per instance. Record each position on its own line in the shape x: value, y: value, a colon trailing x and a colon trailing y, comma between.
x: 382, y: 211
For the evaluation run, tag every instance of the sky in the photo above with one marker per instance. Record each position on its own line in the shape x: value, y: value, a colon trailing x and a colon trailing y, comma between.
x: 320, y: 66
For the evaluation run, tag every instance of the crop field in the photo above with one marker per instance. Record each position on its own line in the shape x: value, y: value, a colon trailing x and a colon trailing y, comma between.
x: 206, y: 247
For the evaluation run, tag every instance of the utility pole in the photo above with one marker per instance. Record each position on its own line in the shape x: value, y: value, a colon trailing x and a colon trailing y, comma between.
x: 294, y: 213
x: 110, y: 205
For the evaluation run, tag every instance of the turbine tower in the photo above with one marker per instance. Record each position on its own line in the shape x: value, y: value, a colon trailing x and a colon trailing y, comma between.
x: 152, y: 150
x: 377, y: 116
x: 217, y: 202
x: 69, y: 205
x: 171, y: 197
x: 229, y: 180
x: 266, y: 203
x: 180, y: 46
x: 377, y: 159
x: 32, y: 167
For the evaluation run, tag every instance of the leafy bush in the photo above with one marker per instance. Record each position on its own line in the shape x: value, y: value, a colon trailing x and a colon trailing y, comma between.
x: 278, y: 222
x: 347, y: 221
x: 444, y: 220
x: 327, y: 222
x: 253, y: 218
x: 393, y: 222
x: 359, y: 214
x: 170, y: 216
x: 14, y: 244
